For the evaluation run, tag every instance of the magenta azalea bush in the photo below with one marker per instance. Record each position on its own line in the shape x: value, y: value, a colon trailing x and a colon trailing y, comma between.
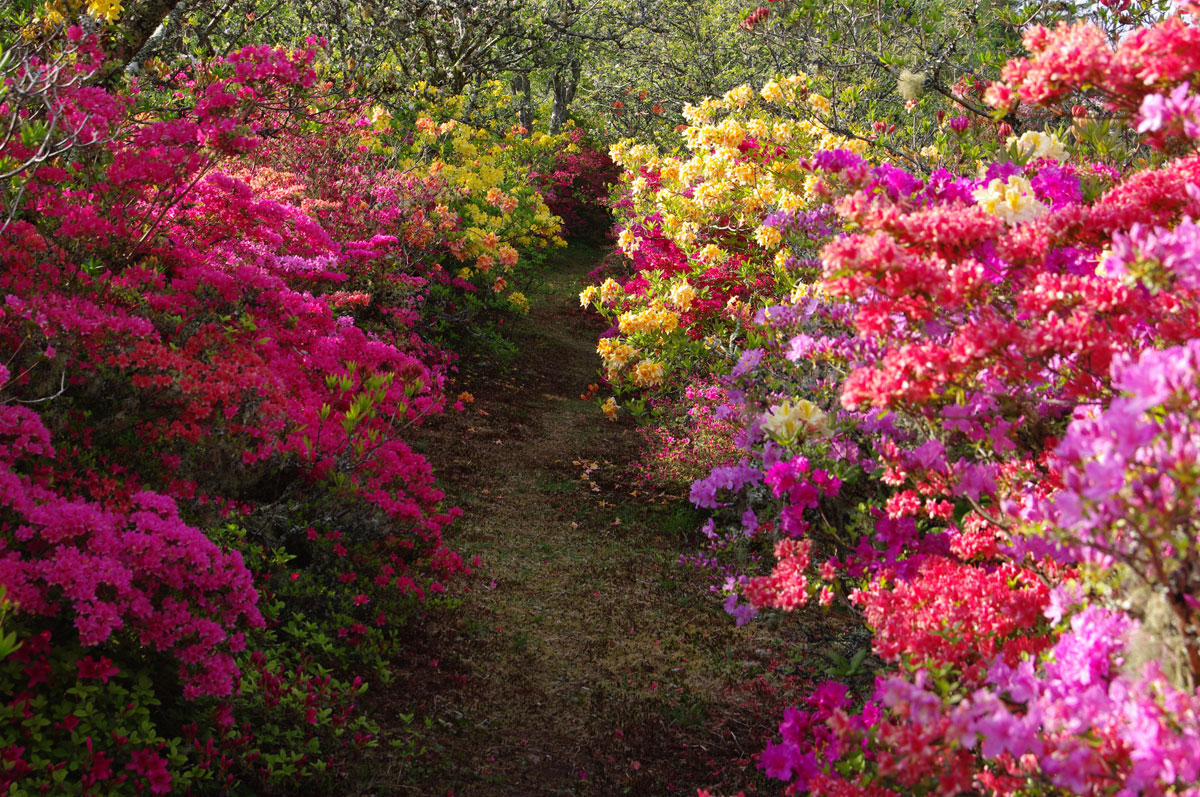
x: 966, y: 413
x: 212, y: 302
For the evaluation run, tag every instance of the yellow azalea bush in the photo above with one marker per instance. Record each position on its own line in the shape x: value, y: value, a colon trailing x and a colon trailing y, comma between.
x: 490, y: 212
x: 58, y: 12
x: 743, y: 161
x: 707, y: 233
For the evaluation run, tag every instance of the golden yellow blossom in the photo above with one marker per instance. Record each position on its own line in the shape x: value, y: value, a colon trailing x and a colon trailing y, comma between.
x: 789, y: 201
x: 616, y: 353
x: 609, y: 290
x: 652, y: 319
x: 768, y: 237
x: 712, y: 254
x: 107, y: 10
x: 647, y: 373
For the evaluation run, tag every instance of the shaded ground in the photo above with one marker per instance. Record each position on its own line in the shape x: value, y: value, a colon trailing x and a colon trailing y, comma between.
x: 583, y: 660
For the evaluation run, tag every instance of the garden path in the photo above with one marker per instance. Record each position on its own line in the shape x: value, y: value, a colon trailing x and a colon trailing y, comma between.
x: 584, y: 660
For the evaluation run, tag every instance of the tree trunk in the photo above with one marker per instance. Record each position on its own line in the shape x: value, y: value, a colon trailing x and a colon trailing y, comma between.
x: 159, y: 37
x: 523, y: 88
x: 563, y: 84
x: 139, y: 24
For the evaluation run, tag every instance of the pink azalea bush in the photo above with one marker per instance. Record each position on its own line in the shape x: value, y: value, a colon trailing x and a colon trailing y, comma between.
x: 971, y: 422
x: 213, y: 300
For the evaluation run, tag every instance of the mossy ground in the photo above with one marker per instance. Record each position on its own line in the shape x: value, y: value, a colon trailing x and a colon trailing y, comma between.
x: 583, y: 659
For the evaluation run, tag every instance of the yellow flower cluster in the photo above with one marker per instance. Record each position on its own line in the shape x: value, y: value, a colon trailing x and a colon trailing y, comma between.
x: 1012, y: 200
x: 719, y: 181
x: 744, y: 160
x: 57, y: 12
x: 682, y: 295
x: 1034, y: 144
x: 711, y: 254
x: 609, y: 291
x: 768, y: 237
x: 808, y: 290
x: 786, y: 91
x: 488, y: 209
x: 107, y: 10
x: 519, y: 301
x: 616, y: 353
x: 648, y: 373
x: 628, y: 242
x: 795, y: 419
x: 652, y: 319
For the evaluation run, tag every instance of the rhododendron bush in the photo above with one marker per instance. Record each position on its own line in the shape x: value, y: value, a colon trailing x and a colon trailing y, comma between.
x: 965, y: 410
x: 212, y: 318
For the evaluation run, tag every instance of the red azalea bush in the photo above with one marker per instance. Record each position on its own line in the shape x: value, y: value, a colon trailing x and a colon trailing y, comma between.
x: 577, y: 187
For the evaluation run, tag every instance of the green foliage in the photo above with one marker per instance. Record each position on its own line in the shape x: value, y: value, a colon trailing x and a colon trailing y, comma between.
x: 303, y: 722
x: 8, y: 639
x: 841, y: 668
x: 79, y: 737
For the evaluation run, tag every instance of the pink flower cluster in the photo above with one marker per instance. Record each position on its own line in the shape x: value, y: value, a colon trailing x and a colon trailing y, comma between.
x: 142, y: 570
x: 1011, y: 432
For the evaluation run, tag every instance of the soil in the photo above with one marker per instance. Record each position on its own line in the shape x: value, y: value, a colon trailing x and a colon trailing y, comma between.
x: 583, y: 658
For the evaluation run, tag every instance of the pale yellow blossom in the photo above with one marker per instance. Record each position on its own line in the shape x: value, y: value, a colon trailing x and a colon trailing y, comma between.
x: 792, y: 419
x: 1034, y: 144
x: 1013, y: 201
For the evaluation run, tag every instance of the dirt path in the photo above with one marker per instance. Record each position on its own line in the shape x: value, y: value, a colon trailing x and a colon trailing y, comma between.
x: 584, y: 660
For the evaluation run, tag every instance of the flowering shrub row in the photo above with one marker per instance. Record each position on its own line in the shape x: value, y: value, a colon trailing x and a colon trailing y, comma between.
x: 213, y: 313
x: 963, y: 407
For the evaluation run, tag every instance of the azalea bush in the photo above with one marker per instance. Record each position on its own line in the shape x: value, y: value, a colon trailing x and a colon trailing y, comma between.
x: 965, y: 408
x: 700, y: 235
x: 218, y: 290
